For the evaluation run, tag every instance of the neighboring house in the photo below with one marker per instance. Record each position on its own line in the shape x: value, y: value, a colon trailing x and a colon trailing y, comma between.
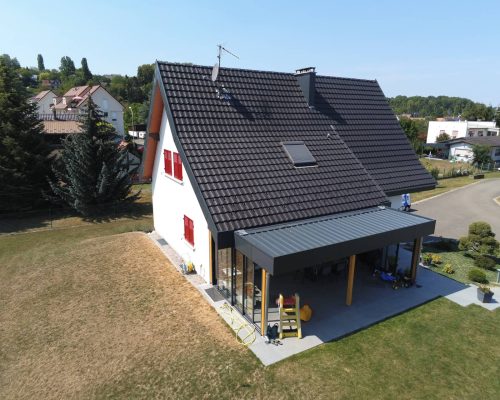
x: 260, y: 174
x: 44, y: 101
x: 461, y: 149
x: 56, y: 130
x: 461, y: 129
x: 75, y: 99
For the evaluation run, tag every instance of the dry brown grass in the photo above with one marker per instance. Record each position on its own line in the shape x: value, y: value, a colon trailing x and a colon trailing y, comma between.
x: 109, y: 312
x: 89, y: 313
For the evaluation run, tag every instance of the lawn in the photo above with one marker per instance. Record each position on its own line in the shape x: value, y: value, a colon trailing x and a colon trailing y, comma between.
x: 58, y: 218
x: 95, y: 312
x: 445, y: 185
x: 461, y: 264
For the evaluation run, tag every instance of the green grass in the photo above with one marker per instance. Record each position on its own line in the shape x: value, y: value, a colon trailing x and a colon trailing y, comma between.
x: 461, y: 264
x: 87, y: 313
x: 445, y: 185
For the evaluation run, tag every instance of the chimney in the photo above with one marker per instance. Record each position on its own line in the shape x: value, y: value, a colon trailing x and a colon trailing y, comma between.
x: 307, y: 81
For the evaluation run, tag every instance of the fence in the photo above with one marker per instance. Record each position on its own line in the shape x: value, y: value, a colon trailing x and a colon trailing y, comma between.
x: 63, y: 217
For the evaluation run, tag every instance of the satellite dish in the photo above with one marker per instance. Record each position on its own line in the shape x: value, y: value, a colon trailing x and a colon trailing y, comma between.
x: 215, y: 72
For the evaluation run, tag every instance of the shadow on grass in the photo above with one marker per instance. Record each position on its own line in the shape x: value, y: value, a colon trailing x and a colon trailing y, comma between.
x: 53, y: 218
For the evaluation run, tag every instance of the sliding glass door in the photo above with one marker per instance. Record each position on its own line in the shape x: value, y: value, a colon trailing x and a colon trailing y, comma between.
x: 239, y: 272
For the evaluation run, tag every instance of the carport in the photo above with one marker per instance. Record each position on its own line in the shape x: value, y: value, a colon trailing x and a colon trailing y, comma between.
x: 284, y: 248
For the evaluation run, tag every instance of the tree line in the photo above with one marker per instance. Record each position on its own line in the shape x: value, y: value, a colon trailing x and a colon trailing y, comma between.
x: 432, y: 107
x: 131, y: 91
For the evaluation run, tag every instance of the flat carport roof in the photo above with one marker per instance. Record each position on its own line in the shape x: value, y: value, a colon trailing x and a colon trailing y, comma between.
x: 287, y: 247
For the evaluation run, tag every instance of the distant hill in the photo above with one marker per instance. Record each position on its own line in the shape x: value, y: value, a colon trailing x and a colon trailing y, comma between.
x: 440, y: 106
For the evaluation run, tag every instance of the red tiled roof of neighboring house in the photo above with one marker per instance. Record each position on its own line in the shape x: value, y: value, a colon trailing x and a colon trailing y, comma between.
x: 40, y: 95
x: 76, y: 96
x: 61, y: 127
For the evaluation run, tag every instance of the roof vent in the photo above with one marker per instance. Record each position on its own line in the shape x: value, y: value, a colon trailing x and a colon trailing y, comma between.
x: 299, y: 154
x: 307, y: 81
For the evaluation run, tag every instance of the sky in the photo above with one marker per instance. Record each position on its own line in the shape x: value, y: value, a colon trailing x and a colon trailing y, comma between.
x: 411, y: 48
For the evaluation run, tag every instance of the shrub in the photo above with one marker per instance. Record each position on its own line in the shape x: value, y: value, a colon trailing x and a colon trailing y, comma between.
x: 445, y: 245
x: 434, y: 172
x: 427, y: 258
x: 436, y: 259
x: 480, y: 240
x: 448, y: 269
x: 485, y: 262
x: 476, y: 275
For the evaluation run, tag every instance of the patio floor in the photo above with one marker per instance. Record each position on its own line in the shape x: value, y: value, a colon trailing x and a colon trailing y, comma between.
x: 373, y: 302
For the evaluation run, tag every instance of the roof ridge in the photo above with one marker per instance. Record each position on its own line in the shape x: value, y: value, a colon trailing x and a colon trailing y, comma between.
x: 258, y: 70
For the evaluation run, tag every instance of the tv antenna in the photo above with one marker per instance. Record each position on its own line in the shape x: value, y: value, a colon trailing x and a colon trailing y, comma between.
x: 216, y: 68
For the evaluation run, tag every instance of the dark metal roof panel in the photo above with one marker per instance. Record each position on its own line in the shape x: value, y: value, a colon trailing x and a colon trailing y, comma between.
x: 285, y: 247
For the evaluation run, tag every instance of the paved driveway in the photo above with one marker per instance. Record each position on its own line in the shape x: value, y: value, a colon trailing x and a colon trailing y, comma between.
x: 456, y: 210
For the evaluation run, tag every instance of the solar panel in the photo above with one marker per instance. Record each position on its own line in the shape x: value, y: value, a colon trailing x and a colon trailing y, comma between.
x: 299, y: 154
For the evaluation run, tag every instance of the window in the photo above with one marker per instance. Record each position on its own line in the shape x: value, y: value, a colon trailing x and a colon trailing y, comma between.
x: 113, y: 116
x: 105, y: 114
x: 167, y: 159
x: 479, y: 133
x: 442, y: 131
x: 299, y: 154
x: 497, y: 152
x: 177, y: 167
x: 189, y: 230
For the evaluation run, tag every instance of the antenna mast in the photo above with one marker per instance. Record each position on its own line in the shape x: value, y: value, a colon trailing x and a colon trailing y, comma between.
x: 222, y: 48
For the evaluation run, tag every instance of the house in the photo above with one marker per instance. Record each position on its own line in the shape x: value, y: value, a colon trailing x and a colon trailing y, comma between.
x: 74, y: 101
x: 259, y: 175
x: 461, y: 129
x: 44, y: 101
x: 460, y: 149
x: 57, y: 130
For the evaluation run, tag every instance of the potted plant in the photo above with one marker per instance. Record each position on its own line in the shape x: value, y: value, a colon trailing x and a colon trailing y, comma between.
x: 484, y: 294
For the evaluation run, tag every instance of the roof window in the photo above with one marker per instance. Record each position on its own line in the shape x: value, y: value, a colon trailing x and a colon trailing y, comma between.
x: 299, y: 154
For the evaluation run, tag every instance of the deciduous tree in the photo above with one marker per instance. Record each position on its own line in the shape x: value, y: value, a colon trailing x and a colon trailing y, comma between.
x: 41, y: 65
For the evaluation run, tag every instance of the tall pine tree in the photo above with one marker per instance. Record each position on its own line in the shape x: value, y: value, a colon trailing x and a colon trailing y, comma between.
x: 91, y: 172
x: 23, y: 150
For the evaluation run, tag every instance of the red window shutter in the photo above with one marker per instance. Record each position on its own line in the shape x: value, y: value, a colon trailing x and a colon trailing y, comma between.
x: 189, y: 230
x: 177, y: 167
x: 167, y: 156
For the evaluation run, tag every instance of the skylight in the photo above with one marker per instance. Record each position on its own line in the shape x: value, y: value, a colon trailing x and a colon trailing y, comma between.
x: 299, y: 154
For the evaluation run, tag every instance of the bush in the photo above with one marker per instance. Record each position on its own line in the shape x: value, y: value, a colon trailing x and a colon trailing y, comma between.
x: 434, y: 172
x: 436, y: 259
x: 427, y: 258
x: 445, y: 245
x: 485, y: 262
x: 476, y: 275
x: 448, y: 269
x: 480, y: 240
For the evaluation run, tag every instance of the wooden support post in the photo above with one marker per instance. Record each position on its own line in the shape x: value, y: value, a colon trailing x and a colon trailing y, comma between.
x: 211, y: 258
x: 265, y: 302
x: 350, y: 279
x: 417, y: 244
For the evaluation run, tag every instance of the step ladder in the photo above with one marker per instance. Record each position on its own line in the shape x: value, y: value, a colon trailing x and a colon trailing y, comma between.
x: 289, y: 317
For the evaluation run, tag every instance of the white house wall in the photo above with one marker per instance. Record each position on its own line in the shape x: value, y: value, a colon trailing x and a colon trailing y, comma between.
x: 171, y: 201
x: 109, y: 104
x: 45, y: 103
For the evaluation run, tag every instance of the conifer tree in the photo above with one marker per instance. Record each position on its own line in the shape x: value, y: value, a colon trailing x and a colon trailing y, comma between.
x: 23, y: 150
x: 91, y: 172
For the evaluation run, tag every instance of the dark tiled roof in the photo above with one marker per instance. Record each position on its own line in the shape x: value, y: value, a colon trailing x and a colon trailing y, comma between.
x: 234, y: 146
x: 483, y: 140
